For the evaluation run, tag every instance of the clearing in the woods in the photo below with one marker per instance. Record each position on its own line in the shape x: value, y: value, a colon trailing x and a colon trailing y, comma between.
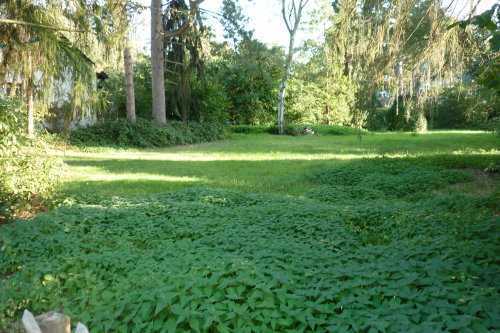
x: 388, y: 232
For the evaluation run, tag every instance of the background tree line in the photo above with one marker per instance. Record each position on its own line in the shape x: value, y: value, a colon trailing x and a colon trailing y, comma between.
x: 382, y: 65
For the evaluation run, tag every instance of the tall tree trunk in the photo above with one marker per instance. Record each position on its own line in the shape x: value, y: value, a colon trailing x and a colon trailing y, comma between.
x: 30, y: 101
x: 283, y: 85
x: 128, y: 65
x: 157, y: 63
x: 292, y: 13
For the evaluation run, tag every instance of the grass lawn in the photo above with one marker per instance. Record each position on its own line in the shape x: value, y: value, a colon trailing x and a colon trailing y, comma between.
x: 387, y: 233
x: 258, y: 163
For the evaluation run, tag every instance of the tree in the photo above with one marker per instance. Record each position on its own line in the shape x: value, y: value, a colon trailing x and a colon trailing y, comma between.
x: 128, y: 62
x: 234, y: 21
x: 291, y: 11
x: 36, y: 37
x: 128, y: 66
x: 185, y: 58
x: 250, y: 74
x: 402, y: 48
x: 158, y: 57
x: 157, y: 63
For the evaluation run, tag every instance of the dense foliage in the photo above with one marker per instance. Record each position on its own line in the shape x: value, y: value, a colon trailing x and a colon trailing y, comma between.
x: 27, y: 175
x: 144, y: 134
x: 250, y: 77
x: 461, y: 107
x: 208, y: 260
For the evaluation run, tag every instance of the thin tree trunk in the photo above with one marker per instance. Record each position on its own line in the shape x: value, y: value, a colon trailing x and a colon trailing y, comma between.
x: 31, y: 113
x: 30, y: 102
x: 128, y: 65
x: 157, y: 63
x: 283, y: 85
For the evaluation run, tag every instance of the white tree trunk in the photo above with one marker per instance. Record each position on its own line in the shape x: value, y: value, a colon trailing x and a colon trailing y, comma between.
x: 128, y: 65
x: 283, y: 84
x: 157, y: 64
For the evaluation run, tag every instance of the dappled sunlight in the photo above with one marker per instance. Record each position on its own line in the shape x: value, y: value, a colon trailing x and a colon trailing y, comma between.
x: 207, y: 157
x: 257, y: 163
x: 218, y: 183
x: 315, y: 148
x: 138, y: 177
x: 271, y: 156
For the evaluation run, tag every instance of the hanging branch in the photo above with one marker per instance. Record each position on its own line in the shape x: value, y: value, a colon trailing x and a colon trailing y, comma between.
x: 43, y: 26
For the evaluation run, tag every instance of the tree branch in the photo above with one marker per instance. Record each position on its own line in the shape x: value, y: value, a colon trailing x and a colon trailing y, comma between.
x: 43, y: 26
x: 193, y: 8
x: 283, y: 12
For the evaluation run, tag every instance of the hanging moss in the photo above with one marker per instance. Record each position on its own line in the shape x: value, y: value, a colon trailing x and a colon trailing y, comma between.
x: 403, y: 47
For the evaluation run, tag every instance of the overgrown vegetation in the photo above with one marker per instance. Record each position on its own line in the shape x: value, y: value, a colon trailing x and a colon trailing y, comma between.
x: 27, y: 175
x: 298, y: 130
x: 121, y: 133
x: 334, y: 257
x: 330, y: 227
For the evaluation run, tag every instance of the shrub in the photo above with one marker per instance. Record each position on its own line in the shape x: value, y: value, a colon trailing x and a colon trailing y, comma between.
x: 27, y: 175
x: 464, y: 107
x: 319, y: 102
x: 297, y: 130
x: 337, y: 130
x: 27, y: 180
x: 249, y: 129
x: 377, y: 120
x: 121, y: 133
x: 210, y: 101
x: 250, y: 77
x: 292, y: 129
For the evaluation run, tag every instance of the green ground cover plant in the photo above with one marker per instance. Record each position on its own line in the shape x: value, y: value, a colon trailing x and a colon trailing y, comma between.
x: 391, y: 233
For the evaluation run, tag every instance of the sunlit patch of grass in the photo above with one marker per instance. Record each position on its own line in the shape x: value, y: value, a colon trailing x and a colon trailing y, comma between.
x: 257, y: 162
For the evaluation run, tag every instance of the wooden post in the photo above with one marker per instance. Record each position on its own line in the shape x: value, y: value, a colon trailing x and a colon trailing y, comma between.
x: 29, y: 323
x: 53, y: 322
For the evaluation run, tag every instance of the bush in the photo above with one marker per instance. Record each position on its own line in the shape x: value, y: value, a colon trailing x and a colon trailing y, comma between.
x: 336, y: 130
x: 319, y: 101
x: 297, y: 130
x: 249, y: 129
x: 377, y: 120
x: 28, y: 177
x: 250, y: 77
x: 121, y: 133
x: 27, y: 181
x: 293, y: 130
x: 464, y: 107
x: 210, y: 102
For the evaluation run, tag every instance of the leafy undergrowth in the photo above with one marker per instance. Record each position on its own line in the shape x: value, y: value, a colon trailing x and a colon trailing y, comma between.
x: 387, y: 257
x: 143, y: 134
x: 382, y: 178
x: 299, y: 129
